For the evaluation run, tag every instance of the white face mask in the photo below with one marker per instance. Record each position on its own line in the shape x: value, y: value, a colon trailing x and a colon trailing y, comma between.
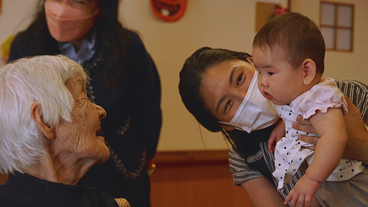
x: 255, y: 112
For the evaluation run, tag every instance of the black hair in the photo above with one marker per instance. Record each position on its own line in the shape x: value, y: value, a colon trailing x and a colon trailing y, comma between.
x: 191, y: 77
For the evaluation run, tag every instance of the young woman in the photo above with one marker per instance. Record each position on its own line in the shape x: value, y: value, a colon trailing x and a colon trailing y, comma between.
x: 212, y: 76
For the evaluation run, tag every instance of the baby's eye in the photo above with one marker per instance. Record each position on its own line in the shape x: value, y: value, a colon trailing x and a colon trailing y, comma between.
x: 270, y: 73
x: 240, y: 78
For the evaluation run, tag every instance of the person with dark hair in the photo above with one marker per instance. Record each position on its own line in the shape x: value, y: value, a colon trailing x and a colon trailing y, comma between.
x: 191, y: 79
x: 214, y: 83
x: 288, y: 53
x: 124, y: 81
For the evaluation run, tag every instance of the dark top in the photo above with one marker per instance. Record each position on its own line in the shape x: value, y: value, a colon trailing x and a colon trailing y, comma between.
x: 247, y: 145
x: 133, y: 122
x: 25, y: 190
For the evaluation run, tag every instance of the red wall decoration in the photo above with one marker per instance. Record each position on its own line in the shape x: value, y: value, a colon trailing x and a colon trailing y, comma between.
x: 169, y: 10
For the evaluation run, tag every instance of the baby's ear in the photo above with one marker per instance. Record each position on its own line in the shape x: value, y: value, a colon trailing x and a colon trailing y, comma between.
x: 227, y: 127
x: 309, y: 71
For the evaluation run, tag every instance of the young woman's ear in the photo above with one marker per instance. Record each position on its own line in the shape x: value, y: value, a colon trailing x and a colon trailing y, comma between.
x: 226, y: 126
x: 309, y: 71
x: 36, y: 114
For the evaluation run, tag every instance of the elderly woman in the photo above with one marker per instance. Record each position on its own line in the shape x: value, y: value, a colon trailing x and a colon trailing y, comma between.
x: 49, y: 134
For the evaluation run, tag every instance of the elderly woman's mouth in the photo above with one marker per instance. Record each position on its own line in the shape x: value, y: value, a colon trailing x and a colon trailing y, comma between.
x: 99, y: 132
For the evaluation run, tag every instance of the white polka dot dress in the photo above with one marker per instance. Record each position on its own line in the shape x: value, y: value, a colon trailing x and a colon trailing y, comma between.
x: 289, y: 154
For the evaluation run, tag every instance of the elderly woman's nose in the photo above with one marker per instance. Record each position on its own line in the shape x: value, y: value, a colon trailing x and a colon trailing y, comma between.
x: 101, y: 112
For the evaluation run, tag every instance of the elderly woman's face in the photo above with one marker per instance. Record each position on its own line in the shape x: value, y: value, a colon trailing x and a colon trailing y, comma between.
x: 81, y: 136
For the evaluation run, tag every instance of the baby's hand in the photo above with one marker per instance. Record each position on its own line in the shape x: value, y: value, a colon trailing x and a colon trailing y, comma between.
x: 277, y: 133
x: 302, y: 193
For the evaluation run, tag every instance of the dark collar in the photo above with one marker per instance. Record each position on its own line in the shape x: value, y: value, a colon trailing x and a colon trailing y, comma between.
x: 45, y: 191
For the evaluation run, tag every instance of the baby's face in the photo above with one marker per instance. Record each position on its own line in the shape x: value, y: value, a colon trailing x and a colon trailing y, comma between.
x: 224, y: 87
x: 278, y: 81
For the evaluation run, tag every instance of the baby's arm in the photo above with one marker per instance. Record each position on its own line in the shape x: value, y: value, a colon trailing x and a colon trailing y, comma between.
x: 277, y: 133
x: 357, y: 147
x: 329, y: 150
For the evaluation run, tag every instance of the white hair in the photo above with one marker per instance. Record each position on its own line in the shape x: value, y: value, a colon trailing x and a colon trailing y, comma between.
x: 37, y: 79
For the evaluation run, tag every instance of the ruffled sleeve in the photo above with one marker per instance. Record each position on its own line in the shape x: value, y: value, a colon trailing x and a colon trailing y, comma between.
x: 323, y: 96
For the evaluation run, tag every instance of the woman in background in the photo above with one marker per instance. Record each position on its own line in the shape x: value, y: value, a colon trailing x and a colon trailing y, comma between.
x: 124, y: 81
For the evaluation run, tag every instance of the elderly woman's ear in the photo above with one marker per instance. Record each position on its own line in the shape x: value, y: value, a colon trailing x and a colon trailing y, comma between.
x: 36, y: 114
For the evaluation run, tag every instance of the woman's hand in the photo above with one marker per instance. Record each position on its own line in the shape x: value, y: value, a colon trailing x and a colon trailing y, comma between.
x: 357, y: 147
x: 306, y: 126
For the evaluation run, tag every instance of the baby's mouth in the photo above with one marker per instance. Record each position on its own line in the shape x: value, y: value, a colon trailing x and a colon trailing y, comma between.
x: 267, y: 95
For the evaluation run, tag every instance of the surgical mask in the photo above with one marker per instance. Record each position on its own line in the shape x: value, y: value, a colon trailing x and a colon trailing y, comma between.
x: 255, y: 112
x: 67, y: 23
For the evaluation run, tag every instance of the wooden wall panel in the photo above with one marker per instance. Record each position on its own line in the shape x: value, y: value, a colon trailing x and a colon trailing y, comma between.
x: 264, y: 13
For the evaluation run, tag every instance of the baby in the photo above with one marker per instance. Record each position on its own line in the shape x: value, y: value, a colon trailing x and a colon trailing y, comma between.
x: 288, y: 53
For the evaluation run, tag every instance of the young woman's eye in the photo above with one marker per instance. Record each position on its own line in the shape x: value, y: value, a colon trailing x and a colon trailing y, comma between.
x: 79, y: 2
x: 227, y: 105
x: 270, y: 73
x: 240, y: 78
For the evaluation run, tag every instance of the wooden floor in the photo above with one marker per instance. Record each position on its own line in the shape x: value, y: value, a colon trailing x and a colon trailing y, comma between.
x: 192, y: 178
x: 199, y: 178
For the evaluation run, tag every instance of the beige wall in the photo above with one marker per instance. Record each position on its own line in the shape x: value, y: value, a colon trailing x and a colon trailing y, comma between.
x: 15, y: 16
x: 343, y: 65
x: 215, y: 23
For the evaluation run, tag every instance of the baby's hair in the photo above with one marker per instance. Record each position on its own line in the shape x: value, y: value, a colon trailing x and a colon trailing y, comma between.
x: 298, y: 36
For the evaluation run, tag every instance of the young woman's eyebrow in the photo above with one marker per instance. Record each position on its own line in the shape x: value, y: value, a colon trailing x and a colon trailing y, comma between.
x: 231, y: 76
x: 230, y: 82
x: 219, y: 103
